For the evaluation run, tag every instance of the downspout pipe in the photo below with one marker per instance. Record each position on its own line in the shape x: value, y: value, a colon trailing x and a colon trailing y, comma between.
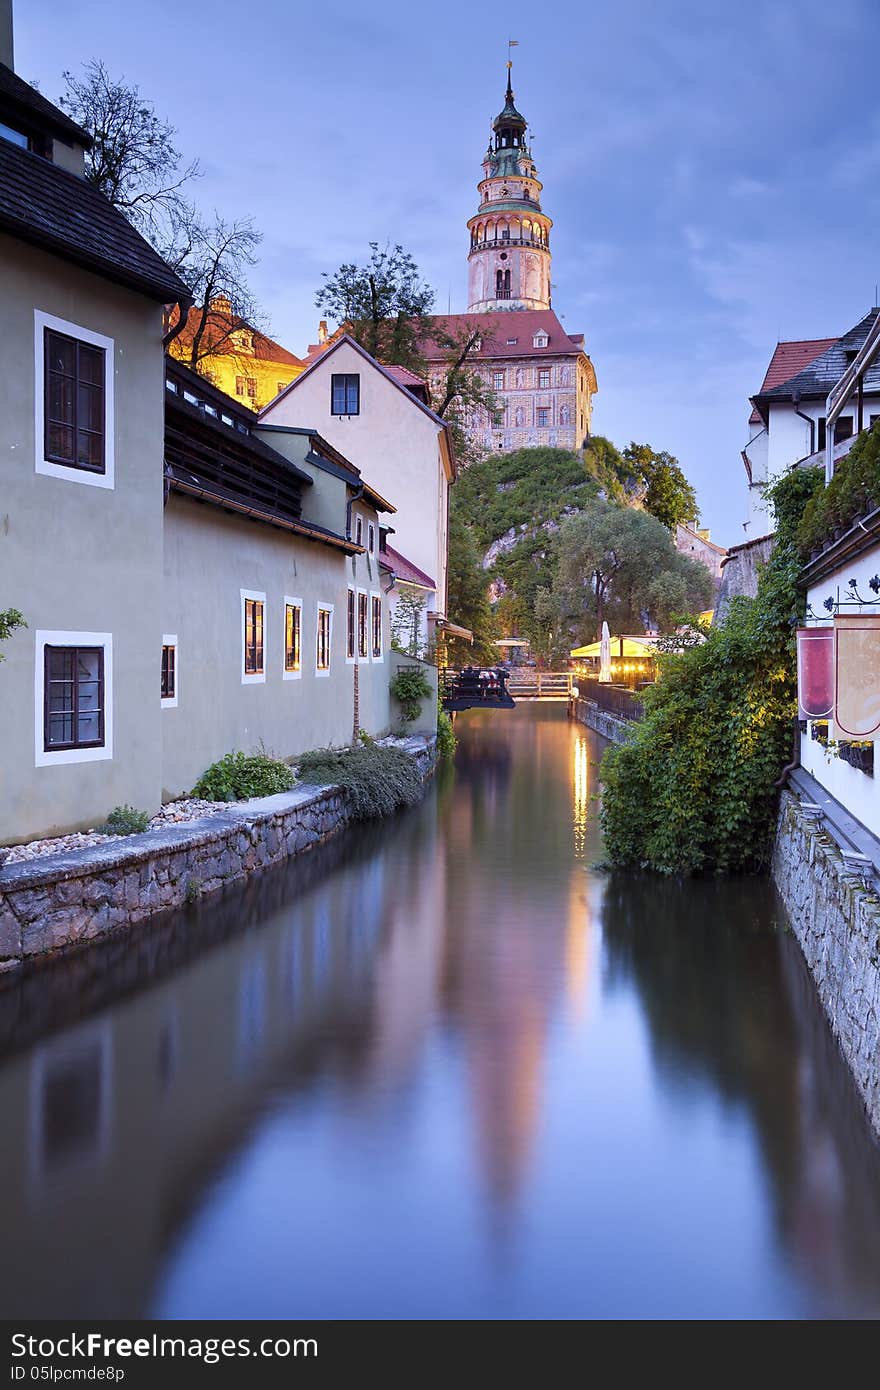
x: 795, y: 759
x: 357, y: 494
x: 796, y: 400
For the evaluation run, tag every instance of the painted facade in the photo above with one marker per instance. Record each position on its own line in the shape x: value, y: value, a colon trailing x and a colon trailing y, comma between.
x: 244, y: 363
x: 153, y: 542
x: 787, y: 423
x: 385, y: 430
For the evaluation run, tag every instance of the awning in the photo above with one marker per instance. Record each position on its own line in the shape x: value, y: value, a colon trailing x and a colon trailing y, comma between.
x: 620, y: 647
x: 453, y: 630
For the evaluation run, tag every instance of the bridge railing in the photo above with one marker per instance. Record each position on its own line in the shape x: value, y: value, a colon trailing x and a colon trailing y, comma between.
x: 531, y: 684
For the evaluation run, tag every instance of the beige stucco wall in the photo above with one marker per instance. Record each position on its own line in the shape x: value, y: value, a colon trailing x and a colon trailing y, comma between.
x: 393, y: 442
x: 80, y: 558
x: 209, y: 558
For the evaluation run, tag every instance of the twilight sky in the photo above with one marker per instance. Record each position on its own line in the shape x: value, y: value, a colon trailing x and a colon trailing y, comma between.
x: 713, y: 170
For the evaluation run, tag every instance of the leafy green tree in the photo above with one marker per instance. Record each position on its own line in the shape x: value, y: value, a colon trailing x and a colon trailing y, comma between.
x: 387, y: 308
x: 384, y: 305
x: 620, y: 564
x: 667, y: 493
x: 468, y: 598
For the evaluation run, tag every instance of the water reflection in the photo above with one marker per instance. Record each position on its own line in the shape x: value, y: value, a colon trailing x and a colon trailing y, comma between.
x: 440, y: 1069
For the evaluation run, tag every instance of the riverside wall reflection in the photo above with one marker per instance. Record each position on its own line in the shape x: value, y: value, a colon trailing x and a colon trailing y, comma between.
x: 423, y: 1071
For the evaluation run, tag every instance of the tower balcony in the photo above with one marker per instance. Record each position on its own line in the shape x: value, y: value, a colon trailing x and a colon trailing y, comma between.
x: 488, y: 243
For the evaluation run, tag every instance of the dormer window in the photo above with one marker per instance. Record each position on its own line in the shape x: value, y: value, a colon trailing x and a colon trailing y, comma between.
x: 243, y: 340
x: 540, y: 340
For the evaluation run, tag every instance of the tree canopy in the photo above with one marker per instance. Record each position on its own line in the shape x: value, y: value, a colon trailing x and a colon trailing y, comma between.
x: 468, y: 598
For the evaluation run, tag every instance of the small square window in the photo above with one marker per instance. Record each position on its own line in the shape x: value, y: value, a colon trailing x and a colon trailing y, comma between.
x: 345, y: 393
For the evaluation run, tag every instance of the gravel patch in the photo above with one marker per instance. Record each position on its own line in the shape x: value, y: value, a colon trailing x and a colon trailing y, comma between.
x: 174, y: 813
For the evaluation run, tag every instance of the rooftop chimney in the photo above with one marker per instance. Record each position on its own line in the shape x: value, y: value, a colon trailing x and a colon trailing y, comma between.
x: 322, y: 332
x: 6, y: 33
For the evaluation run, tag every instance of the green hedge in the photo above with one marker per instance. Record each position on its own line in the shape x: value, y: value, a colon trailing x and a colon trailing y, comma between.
x: 853, y: 491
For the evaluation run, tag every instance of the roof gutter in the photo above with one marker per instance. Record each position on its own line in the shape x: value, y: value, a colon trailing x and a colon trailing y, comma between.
x: 796, y: 401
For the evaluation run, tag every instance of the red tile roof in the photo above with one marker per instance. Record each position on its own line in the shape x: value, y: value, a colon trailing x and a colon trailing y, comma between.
x: 496, y: 329
x: 404, y: 569
x: 220, y: 325
x: 405, y: 376
x: 789, y: 359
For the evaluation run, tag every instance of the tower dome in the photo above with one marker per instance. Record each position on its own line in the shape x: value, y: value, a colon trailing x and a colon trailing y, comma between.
x: 509, y: 258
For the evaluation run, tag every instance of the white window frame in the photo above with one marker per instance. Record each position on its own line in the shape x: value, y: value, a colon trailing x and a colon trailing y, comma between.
x: 361, y: 659
x: 47, y: 757
x: 358, y: 529
x: 381, y: 657
x: 290, y: 675
x: 170, y: 640
x: 254, y: 677
x: 371, y: 537
x: 42, y: 321
x: 350, y: 660
x: 326, y: 607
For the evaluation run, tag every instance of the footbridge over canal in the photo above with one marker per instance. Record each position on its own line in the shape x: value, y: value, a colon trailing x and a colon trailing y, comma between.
x: 498, y: 688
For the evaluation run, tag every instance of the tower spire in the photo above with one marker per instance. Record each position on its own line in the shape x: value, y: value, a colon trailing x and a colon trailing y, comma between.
x: 509, y: 259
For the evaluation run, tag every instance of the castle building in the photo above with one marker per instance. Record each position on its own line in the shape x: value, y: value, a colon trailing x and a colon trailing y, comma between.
x: 541, y: 376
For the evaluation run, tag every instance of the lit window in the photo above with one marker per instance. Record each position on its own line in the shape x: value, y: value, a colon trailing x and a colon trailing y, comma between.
x: 349, y: 632
x: 345, y: 393
x: 362, y: 625
x: 292, y: 638
x: 377, y: 626
x: 253, y: 633
x: 324, y: 637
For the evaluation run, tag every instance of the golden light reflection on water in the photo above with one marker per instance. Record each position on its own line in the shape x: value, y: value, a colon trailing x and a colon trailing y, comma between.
x: 580, y: 778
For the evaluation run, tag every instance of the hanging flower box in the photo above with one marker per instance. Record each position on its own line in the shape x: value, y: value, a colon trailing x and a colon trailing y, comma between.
x: 858, y: 755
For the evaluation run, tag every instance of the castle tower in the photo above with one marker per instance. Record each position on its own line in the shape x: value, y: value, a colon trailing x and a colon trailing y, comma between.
x: 509, y: 259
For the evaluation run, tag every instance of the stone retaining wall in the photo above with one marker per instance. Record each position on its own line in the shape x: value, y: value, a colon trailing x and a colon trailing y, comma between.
x: 836, y: 919
x: 608, y: 725
x: 65, y: 900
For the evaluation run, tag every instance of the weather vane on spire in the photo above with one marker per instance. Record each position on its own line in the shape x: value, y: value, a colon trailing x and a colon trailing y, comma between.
x: 511, y: 43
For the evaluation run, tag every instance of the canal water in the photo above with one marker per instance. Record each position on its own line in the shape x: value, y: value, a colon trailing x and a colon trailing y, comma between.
x: 441, y: 1068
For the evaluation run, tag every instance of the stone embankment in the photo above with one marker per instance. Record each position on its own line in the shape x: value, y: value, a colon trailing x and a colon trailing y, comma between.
x: 832, y: 904
x: 58, y: 901
x: 608, y: 725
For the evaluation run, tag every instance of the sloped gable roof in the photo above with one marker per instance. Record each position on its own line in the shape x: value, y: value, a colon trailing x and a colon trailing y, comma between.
x: 816, y: 379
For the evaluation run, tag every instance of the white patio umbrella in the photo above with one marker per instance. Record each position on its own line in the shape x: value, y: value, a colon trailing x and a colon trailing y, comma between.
x: 605, y: 656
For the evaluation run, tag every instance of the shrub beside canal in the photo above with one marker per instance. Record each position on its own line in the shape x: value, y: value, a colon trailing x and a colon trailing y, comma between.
x: 693, y: 790
x: 377, y: 779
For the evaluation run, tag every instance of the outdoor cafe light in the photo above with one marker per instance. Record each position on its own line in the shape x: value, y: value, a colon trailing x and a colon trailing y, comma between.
x: 856, y: 676
x: 815, y: 672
